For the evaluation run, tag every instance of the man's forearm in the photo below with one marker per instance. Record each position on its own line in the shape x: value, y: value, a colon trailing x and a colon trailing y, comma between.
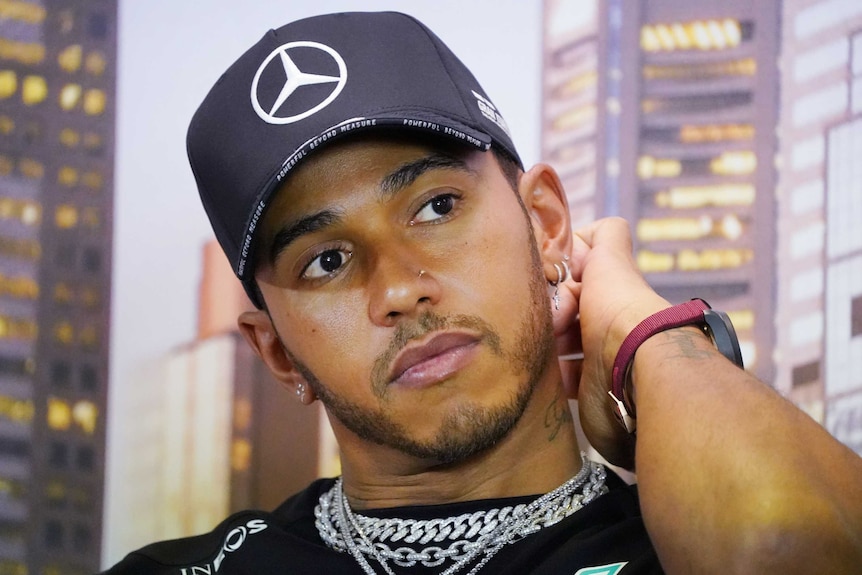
x: 731, y: 474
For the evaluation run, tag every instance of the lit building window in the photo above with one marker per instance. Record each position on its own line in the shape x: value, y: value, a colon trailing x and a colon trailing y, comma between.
x: 578, y: 117
x: 697, y: 35
x: 734, y: 163
x: 713, y: 259
x: 697, y: 103
x: 92, y: 180
x: 674, y: 229
x: 64, y: 332
x: 34, y: 90
x: 576, y: 84
x: 70, y: 58
x: 69, y: 137
x: 59, y: 414
x: 88, y: 336
x: 17, y: 328
x: 67, y: 176
x: 24, y: 52
x: 8, y: 83
x: 94, y: 102
x: 27, y: 12
x: 701, y: 70
x: 240, y: 455
x: 16, y: 409
x: 12, y: 489
x: 26, y: 211
x: 65, y: 21
x: 55, y: 491
x: 30, y: 213
x: 62, y: 293
x: 715, y: 133
x: 682, y: 197
x: 70, y: 96
x: 95, y: 63
x: 92, y: 141
x: 90, y: 297
x: 81, y: 498
x: 86, y: 416
x: 652, y: 262
x: 651, y: 230
x: 27, y: 249
x: 66, y: 216
x: 649, y: 167
x: 90, y: 217
x: 22, y: 287
x: 7, y: 125
x: 742, y: 319
x: 31, y: 168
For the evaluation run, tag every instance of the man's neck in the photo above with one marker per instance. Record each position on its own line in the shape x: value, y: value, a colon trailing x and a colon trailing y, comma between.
x: 540, y: 453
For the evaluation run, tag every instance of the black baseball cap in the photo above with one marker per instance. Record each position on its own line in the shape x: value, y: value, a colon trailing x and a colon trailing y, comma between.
x: 314, y: 81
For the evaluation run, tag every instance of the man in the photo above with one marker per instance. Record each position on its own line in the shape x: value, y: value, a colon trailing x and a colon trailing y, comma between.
x: 410, y: 275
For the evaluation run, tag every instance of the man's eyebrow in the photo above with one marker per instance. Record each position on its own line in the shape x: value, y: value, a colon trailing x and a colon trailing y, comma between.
x: 391, y: 184
x: 294, y: 230
x: 408, y: 173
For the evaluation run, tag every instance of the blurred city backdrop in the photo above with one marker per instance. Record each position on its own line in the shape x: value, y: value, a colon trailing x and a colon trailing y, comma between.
x: 728, y: 133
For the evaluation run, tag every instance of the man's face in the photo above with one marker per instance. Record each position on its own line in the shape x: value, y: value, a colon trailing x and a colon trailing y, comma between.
x: 406, y: 288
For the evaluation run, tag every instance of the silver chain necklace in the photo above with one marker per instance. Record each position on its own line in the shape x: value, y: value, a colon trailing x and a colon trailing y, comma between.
x: 459, y: 539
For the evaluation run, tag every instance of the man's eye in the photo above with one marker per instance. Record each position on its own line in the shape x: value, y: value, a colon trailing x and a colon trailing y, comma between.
x: 326, y: 263
x: 436, y: 208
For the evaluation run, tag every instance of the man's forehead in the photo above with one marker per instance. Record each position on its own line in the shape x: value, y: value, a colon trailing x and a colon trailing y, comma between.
x: 332, y: 172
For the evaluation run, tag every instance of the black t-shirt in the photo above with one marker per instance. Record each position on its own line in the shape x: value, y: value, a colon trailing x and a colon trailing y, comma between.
x: 605, y: 537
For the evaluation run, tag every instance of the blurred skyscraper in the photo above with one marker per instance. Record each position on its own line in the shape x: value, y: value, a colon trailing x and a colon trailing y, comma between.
x: 206, y: 431
x: 664, y: 112
x: 57, y: 110
x: 819, y: 306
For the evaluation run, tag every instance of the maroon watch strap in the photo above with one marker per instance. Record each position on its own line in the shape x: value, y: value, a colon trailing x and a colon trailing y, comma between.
x: 687, y: 313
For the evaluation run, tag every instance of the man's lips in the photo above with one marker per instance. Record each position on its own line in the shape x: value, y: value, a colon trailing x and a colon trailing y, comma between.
x: 434, y: 360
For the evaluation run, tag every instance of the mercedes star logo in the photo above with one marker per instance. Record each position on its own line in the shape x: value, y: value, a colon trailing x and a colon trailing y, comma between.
x: 295, y: 79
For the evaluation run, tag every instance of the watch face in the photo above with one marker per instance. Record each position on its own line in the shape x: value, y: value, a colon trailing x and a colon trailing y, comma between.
x: 720, y: 329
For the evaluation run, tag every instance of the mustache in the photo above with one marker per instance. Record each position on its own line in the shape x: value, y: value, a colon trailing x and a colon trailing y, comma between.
x: 426, y: 323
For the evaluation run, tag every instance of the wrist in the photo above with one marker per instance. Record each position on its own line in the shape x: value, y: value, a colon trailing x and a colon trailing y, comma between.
x: 696, y: 312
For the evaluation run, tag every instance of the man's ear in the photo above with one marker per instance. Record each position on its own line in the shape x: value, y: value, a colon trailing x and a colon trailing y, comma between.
x: 546, y: 203
x: 258, y: 330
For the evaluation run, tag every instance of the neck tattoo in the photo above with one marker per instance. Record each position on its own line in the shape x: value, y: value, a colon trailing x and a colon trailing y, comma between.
x: 452, y: 543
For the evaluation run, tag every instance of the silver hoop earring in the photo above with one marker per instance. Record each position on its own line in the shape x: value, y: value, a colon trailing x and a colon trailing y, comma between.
x: 300, y: 390
x: 556, y: 285
x: 568, y: 272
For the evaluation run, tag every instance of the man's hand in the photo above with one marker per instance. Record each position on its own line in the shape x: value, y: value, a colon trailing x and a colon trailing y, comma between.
x: 603, y: 301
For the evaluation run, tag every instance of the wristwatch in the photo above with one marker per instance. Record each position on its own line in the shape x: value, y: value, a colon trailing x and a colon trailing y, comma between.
x: 715, y: 324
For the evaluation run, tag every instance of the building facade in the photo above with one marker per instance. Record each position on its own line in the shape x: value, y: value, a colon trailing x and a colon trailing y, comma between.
x: 206, y: 430
x: 57, y: 112
x: 664, y: 112
x: 819, y: 305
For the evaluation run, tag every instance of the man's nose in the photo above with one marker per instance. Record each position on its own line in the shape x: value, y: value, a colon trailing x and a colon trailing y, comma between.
x: 400, y: 286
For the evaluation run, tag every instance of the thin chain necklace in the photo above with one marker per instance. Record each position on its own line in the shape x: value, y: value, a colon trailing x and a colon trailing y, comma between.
x: 483, y: 532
